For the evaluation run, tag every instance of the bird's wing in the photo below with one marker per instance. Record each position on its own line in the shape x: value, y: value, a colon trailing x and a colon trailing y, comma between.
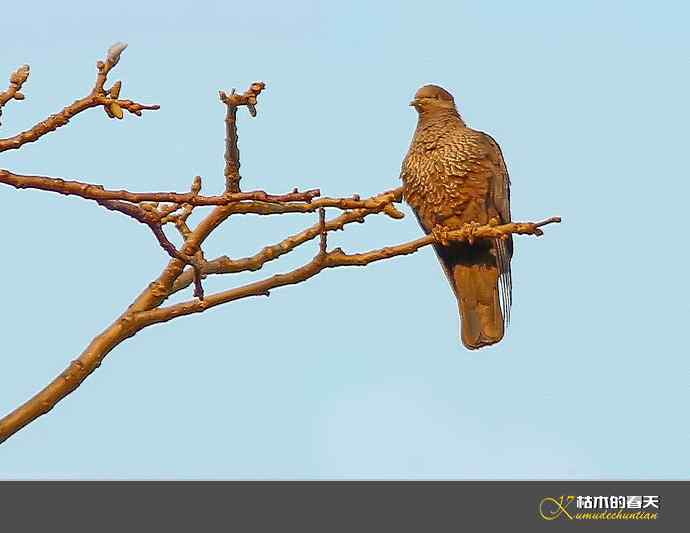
x: 500, y: 194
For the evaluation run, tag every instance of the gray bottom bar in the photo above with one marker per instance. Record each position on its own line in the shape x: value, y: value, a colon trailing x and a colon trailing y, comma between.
x: 344, y: 506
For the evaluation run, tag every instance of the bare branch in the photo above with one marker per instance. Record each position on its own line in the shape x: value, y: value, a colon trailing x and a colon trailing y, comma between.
x: 91, y: 191
x: 492, y: 230
x: 247, y: 98
x: 263, y: 203
x: 333, y: 259
x: 152, y: 219
x: 97, y: 97
x: 232, y: 153
x: 156, y: 209
x: 225, y: 265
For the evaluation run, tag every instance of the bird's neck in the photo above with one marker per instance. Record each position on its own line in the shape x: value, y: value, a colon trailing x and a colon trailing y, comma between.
x: 429, y: 119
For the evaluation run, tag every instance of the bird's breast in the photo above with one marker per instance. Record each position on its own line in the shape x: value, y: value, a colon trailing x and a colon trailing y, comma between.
x: 443, y: 178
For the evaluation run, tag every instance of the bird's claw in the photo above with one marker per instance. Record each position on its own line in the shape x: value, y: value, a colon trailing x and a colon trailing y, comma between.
x: 469, y: 231
x: 440, y: 233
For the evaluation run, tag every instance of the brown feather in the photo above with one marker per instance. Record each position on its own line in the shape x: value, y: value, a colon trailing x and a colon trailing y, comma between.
x: 454, y: 175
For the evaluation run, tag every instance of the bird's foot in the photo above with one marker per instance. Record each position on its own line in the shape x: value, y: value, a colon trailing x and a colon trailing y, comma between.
x: 469, y: 231
x: 440, y: 233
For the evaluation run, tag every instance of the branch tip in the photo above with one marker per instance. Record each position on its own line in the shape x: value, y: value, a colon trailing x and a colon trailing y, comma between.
x: 114, y: 52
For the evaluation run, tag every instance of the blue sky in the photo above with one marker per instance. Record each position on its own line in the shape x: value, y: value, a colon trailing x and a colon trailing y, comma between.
x: 357, y: 373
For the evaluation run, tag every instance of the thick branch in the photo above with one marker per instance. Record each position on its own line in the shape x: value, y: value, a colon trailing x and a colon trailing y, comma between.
x: 124, y: 327
x: 69, y: 379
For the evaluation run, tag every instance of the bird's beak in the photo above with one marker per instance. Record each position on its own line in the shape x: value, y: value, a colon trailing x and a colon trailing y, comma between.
x: 413, y: 102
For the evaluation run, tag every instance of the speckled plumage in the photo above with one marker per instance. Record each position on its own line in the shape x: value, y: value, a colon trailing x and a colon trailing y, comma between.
x: 454, y: 175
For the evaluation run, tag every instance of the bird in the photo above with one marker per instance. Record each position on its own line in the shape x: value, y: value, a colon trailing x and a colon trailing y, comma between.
x: 453, y: 176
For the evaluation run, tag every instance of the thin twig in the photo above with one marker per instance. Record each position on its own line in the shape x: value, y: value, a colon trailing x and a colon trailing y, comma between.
x: 323, y: 242
x: 152, y: 220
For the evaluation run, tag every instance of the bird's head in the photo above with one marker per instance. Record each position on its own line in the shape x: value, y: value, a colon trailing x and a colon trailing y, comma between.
x: 432, y: 98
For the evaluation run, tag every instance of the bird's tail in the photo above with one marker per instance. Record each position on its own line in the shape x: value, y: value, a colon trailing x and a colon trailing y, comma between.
x: 481, y: 318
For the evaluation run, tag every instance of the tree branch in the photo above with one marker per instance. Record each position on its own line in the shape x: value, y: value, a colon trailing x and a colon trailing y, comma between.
x: 225, y: 265
x: 97, y: 97
x: 333, y: 259
x: 232, y: 153
x: 152, y: 219
x: 155, y: 209
x: 90, y: 191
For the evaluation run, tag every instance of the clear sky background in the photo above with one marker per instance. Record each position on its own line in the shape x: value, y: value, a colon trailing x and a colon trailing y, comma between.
x: 358, y: 373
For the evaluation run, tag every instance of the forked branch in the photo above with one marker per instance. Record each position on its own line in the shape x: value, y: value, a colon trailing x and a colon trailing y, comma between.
x: 107, y: 98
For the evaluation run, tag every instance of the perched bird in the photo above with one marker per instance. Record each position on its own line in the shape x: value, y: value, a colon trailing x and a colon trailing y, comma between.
x: 452, y: 176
